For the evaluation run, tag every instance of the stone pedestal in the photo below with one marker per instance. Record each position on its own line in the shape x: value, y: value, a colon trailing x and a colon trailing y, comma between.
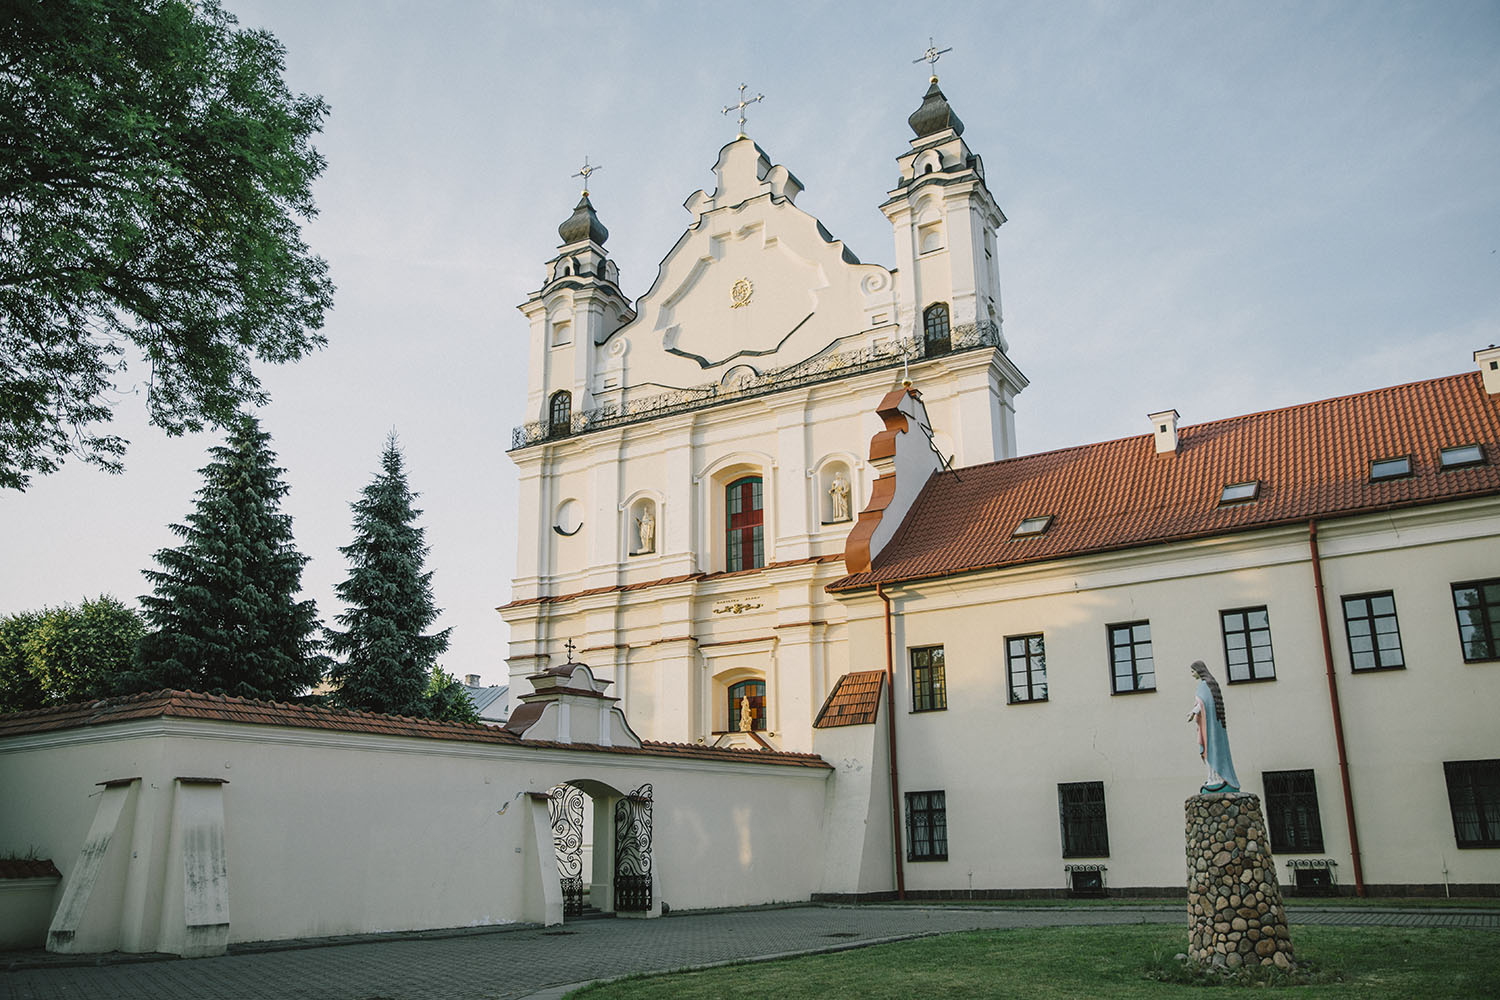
x: 1235, y: 915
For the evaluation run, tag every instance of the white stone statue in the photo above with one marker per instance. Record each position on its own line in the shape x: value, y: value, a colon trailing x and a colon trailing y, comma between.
x: 747, y: 715
x: 839, y: 491
x: 646, y: 526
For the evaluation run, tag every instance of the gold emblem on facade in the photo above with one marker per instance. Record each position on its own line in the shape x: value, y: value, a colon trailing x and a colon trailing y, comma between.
x: 740, y: 292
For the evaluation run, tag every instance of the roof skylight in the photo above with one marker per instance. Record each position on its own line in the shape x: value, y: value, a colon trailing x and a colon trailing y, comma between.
x: 1032, y: 526
x: 1391, y: 468
x: 1461, y: 455
x: 1240, y: 492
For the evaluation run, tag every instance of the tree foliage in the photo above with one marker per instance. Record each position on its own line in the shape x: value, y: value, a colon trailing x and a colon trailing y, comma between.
x: 390, y: 662
x: 225, y: 617
x: 153, y: 165
x: 447, y: 699
x: 66, y: 654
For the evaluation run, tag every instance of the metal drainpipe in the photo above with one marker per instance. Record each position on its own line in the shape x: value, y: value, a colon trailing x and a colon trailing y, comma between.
x: 1333, y: 700
x: 890, y: 719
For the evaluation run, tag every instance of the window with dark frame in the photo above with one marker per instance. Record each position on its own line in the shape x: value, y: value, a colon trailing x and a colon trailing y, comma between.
x: 756, y: 690
x: 1247, y: 644
x: 1374, y: 635
x: 744, y: 518
x: 1477, y: 605
x: 1239, y: 493
x: 929, y: 692
x: 1398, y: 467
x: 1132, y: 664
x: 560, y: 413
x: 1292, y: 811
x: 1474, y: 798
x: 935, y: 333
x: 1461, y: 456
x: 1026, y: 662
x: 1085, y: 828
x: 926, y: 826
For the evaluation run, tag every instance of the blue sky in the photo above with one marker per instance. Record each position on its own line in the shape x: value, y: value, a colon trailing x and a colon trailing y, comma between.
x: 1218, y: 207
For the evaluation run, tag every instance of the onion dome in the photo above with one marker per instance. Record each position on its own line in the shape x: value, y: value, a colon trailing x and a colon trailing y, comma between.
x: 583, y: 224
x: 934, y: 115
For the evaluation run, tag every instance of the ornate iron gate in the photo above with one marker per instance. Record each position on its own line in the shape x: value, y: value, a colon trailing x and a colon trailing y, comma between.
x: 566, y: 809
x: 633, y: 851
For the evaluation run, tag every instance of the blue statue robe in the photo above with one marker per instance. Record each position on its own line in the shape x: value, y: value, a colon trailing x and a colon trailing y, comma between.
x: 1220, y: 764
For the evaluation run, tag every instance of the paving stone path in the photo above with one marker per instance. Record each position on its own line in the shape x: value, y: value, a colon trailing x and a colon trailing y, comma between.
x: 542, y: 963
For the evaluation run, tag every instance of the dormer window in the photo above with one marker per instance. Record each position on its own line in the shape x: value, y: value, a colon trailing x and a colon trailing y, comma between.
x: 1390, y: 468
x: 1461, y: 456
x: 1032, y: 526
x: 1240, y: 493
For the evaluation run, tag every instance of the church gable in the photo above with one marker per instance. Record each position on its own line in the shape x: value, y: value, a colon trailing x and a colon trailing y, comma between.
x: 754, y: 282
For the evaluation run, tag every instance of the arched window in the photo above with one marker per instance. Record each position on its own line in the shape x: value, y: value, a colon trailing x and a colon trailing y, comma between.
x: 756, y: 692
x: 560, y: 413
x: 935, y: 329
x: 744, y: 520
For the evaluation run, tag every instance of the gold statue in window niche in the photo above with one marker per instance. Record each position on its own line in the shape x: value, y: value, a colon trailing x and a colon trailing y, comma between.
x: 747, y: 715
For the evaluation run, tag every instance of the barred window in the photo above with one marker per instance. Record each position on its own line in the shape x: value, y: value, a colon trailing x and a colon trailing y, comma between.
x: 926, y: 826
x: 1132, y: 663
x: 1292, y: 811
x: 929, y: 692
x: 1247, y: 644
x: 1026, y: 661
x: 1477, y: 604
x: 1085, y: 828
x: 1474, y: 797
x: 1374, y: 636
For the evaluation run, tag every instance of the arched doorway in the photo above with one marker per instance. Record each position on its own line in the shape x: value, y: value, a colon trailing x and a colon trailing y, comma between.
x: 602, y: 838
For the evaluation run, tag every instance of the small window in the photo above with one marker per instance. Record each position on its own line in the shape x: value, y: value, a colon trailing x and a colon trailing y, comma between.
x: 1085, y: 828
x: 1240, y: 492
x: 756, y: 692
x: 1477, y: 604
x: 1032, y: 526
x: 1247, y: 644
x: 1474, y: 798
x: 1132, y: 663
x: 1374, y: 635
x: 1390, y: 468
x: 560, y: 413
x: 935, y: 333
x: 1461, y: 456
x: 1292, y: 811
x: 929, y: 692
x: 926, y: 826
x: 1026, y: 662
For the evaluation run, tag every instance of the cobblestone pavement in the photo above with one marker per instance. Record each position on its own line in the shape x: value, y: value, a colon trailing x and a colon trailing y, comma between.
x: 499, y: 965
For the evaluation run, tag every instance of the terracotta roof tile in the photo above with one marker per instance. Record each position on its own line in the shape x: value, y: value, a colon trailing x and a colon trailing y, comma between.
x: 223, y: 708
x: 1312, y: 462
x: 29, y: 868
x: 854, y: 700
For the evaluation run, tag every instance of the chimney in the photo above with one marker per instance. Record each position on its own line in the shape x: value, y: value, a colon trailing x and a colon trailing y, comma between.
x: 1489, y: 367
x: 1164, y: 431
x: 471, y: 680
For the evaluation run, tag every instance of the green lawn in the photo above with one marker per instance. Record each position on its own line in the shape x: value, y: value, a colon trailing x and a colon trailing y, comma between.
x: 1063, y: 963
x: 1309, y: 902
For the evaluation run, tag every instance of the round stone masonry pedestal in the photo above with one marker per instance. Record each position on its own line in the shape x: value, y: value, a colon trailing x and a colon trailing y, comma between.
x: 1235, y: 914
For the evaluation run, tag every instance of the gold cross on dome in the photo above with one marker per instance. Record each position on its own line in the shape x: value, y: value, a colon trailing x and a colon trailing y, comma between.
x: 932, y: 55
x: 584, y: 172
x: 742, y: 105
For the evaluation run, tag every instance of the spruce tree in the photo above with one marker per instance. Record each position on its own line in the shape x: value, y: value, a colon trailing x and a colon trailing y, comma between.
x: 225, y: 617
x: 388, y: 660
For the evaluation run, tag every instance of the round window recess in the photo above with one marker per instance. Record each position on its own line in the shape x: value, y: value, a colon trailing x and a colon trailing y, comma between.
x: 569, y: 518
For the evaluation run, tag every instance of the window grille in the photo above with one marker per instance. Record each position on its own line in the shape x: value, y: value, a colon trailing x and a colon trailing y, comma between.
x: 926, y: 826
x: 1292, y: 811
x: 929, y: 692
x: 1132, y: 663
x: 1085, y: 828
x: 1374, y: 635
x: 1474, y: 798
x: 1247, y: 644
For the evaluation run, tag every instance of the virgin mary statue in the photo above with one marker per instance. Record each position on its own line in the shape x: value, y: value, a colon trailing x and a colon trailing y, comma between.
x: 1213, y: 734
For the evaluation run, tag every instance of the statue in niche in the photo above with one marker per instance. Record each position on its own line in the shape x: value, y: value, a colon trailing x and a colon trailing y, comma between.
x: 1213, y: 733
x: 646, y: 527
x: 839, y: 492
x: 747, y: 715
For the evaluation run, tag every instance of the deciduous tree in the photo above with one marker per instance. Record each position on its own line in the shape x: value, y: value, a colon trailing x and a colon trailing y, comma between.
x: 153, y: 168
x: 66, y: 653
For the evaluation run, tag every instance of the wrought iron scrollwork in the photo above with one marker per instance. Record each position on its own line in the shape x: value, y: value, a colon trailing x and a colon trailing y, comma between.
x: 566, y: 810
x: 633, y: 851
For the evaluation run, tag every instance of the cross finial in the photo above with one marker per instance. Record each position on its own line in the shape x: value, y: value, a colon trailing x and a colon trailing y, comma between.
x: 742, y: 105
x: 932, y: 55
x: 569, y: 647
x: 584, y: 172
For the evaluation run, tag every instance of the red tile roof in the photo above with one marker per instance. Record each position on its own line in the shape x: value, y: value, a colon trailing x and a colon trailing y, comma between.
x: 1312, y: 461
x: 854, y: 700
x: 29, y: 868
x: 223, y: 708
